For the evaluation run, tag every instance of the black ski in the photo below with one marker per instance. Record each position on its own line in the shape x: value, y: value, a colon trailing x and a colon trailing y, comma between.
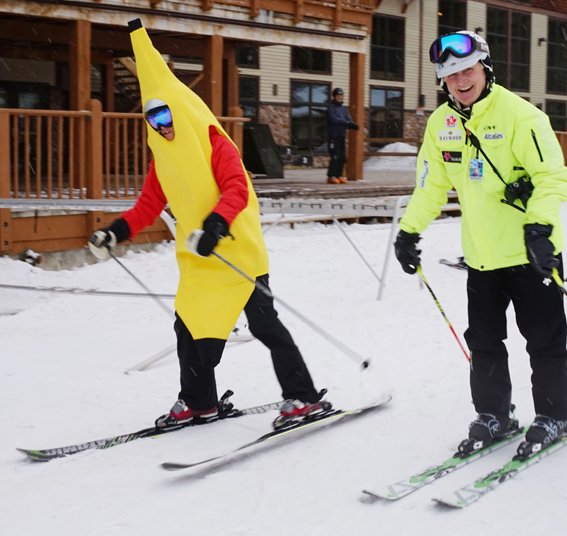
x: 226, y: 411
x: 329, y: 417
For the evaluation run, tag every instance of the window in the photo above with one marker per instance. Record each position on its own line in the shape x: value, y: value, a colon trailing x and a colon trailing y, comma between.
x: 557, y: 112
x: 557, y: 57
x: 248, y: 96
x: 309, y: 101
x: 310, y: 60
x: 509, y: 36
x: 386, y: 113
x: 248, y: 57
x: 24, y: 95
x: 452, y: 16
x: 387, y: 48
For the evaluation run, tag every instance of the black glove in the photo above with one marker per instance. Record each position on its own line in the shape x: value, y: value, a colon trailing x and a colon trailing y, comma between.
x: 540, y: 248
x: 204, y: 241
x: 406, y: 252
x: 354, y: 126
x: 103, y: 240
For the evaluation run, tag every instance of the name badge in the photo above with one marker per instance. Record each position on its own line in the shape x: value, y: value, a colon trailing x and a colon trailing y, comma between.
x: 475, y: 169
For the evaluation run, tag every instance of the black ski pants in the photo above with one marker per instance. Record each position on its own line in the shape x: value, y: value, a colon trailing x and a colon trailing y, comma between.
x: 337, y: 152
x: 540, y: 317
x: 197, y: 359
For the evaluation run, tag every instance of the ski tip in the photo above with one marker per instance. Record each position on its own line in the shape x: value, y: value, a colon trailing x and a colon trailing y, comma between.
x: 376, y: 495
x: 172, y: 466
x: 446, y: 504
x: 34, y: 455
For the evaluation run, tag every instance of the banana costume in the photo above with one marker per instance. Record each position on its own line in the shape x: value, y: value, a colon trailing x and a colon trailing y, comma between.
x: 211, y: 295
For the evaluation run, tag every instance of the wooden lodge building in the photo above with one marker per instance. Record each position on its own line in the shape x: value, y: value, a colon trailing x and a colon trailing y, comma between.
x: 70, y: 121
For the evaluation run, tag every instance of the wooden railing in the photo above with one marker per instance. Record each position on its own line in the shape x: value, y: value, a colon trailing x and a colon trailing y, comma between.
x: 91, y: 154
x: 339, y: 11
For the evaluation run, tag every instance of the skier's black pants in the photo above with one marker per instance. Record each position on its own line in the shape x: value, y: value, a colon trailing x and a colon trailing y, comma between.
x: 197, y: 359
x: 540, y: 317
x: 337, y: 147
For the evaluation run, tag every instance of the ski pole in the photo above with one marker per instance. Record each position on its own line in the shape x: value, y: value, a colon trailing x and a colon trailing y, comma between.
x: 364, y: 363
x: 557, y: 279
x: 420, y: 272
x: 150, y: 293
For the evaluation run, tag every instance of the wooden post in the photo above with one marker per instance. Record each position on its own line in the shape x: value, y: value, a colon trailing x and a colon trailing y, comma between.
x: 356, y: 109
x: 80, y: 65
x: 237, y: 127
x: 212, y: 69
x: 232, y: 76
x: 338, y: 17
x: 94, y: 151
x: 299, y: 11
x: 109, y: 87
x: 5, y: 163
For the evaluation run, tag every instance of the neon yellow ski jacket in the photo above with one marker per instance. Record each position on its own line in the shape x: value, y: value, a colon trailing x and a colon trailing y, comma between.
x: 518, y: 139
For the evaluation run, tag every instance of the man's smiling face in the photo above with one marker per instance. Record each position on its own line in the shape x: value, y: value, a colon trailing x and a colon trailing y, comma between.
x: 467, y: 85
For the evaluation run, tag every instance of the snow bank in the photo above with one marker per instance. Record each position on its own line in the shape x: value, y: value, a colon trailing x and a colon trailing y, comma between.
x: 393, y: 162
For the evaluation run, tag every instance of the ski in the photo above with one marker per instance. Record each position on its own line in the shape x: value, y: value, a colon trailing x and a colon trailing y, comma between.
x: 459, y: 265
x: 329, y: 417
x: 403, y: 488
x: 226, y: 411
x: 471, y: 493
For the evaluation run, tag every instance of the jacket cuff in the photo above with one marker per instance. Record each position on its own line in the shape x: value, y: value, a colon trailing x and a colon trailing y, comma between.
x: 121, y: 229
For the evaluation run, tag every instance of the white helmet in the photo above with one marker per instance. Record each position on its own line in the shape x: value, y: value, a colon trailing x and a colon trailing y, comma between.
x: 449, y: 58
x: 152, y: 104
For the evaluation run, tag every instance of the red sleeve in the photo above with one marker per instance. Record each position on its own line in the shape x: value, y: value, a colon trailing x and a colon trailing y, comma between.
x: 148, y: 206
x: 230, y: 176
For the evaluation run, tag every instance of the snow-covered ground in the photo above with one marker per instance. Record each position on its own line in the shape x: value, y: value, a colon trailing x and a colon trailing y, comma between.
x: 62, y: 381
x: 393, y: 162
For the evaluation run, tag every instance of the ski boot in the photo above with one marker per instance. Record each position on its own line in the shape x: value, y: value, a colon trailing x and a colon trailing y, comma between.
x: 487, y: 429
x: 180, y: 413
x: 295, y: 411
x: 542, y: 433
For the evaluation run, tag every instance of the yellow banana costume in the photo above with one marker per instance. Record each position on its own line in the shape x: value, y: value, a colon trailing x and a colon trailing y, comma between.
x: 211, y: 295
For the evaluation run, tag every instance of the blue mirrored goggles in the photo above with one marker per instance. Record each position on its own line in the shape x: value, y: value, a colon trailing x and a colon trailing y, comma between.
x: 160, y: 117
x: 459, y: 45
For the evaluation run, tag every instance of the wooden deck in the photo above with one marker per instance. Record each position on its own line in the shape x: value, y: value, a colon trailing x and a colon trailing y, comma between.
x: 312, y: 183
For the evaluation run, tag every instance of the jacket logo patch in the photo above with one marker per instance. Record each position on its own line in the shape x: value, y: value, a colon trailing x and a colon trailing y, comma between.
x: 493, y: 136
x: 450, y: 135
x: 451, y: 121
x: 450, y: 156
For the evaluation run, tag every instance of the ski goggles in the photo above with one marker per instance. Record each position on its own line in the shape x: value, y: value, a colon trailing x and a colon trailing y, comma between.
x: 160, y: 117
x: 459, y: 45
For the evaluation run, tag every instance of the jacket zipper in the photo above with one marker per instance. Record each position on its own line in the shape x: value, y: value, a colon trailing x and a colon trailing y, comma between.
x: 537, y: 146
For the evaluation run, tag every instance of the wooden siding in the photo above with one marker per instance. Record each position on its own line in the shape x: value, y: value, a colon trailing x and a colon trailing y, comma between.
x: 275, y: 63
